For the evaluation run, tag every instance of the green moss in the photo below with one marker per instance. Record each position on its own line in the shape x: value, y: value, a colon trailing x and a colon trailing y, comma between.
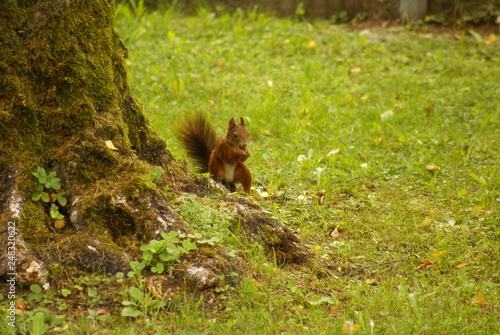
x: 34, y: 223
x: 271, y: 236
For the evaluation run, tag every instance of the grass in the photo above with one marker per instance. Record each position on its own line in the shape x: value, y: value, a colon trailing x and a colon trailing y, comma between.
x: 398, y: 128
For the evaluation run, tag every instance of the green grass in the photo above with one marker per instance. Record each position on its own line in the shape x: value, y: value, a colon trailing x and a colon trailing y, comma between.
x: 299, y: 86
x: 317, y: 99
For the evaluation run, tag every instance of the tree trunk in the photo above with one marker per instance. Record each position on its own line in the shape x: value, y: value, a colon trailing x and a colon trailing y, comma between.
x: 412, y: 10
x: 66, y: 106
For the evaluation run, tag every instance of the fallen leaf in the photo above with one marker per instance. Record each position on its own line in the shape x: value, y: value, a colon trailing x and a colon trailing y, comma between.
x: 432, y: 167
x: 102, y: 311
x: 477, y: 209
x: 479, y: 300
x: 350, y: 327
x: 311, y: 45
x: 377, y: 139
x: 335, y: 234
x: 59, y: 223
x: 318, y: 248
x: 355, y: 70
x: 321, y: 197
x: 111, y: 146
x: 426, y: 220
x: 462, y: 265
x: 439, y: 253
x: 425, y: 263
x: 491, y: 39
x: 370, y: 281
x: 333, y: 152
x: 20, y: 307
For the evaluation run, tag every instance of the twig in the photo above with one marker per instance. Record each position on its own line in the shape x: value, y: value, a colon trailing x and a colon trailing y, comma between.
x: 377, y: 265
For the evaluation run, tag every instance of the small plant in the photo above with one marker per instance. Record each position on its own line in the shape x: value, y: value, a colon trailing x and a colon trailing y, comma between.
x: 166, y: 251
x: 156, y: 174
x: 49, y: 190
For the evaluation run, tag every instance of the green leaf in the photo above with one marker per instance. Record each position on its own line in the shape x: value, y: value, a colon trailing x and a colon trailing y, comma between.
x: 137, y: 294
x: 188, y: 246
x: 51, y: 175
x: 35, y: 288
x: 131, y: 312
x: 39, y: 326
x: 159, y: 268
x: 45, y: 197
x: 36, y: 196
x: 156, y: 174
x: 54, y: 212
x: 156, y: 304
x: 42, y: 181
x: 65, y: 292
x: 61, y: 199
x: 41, y: 171
x: 476, y: 36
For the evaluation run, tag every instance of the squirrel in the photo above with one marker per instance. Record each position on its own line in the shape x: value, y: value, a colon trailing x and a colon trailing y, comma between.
x: 224, y: 158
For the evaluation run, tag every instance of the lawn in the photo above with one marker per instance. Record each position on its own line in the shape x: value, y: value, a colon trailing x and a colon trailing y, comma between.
x: 379, y: 147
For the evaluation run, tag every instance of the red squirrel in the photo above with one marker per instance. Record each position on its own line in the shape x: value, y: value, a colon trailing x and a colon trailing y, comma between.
x: 224, y: 158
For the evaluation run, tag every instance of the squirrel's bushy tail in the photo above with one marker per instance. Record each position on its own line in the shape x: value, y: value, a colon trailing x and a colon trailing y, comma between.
x: 198, y: 139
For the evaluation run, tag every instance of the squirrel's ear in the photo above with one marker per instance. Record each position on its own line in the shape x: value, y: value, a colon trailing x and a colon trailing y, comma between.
x: 232, y: 123
x: 242, y: 122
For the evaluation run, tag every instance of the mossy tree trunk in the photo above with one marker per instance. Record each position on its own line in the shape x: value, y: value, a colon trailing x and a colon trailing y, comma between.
x: 66, y: 106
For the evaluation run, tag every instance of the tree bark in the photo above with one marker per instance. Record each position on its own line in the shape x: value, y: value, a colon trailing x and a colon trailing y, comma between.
x: 66, y: 106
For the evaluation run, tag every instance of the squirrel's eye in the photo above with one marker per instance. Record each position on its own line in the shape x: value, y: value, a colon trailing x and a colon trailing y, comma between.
x: 235, y: 135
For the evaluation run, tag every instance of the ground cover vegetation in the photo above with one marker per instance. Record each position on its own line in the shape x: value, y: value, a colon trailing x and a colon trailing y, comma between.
x: 379, y: 148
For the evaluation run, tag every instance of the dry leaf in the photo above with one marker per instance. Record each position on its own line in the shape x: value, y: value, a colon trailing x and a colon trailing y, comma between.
x: 462, y: 265
x: 59, y: 223
x: 432, y: 167
x: 491, y: 39
x: 101, y: 311
x: 479, y: 300
x: 333, y: 152
x: 335, y: 234
x: 425, y: 263
x: 377, y: 139
x: 355, y: 70
x: 20, y: 307
x: 370, y: 281
x: 477, y: 209
x: 111, y: 146
x: 321, y: 197
x: 311, y: 45
x: 350, y: 327
x: 439, y: 253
